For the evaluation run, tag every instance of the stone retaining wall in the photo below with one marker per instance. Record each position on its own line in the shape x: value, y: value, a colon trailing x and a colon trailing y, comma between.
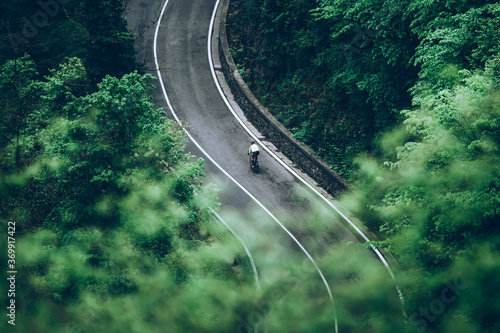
x: 265, y: 122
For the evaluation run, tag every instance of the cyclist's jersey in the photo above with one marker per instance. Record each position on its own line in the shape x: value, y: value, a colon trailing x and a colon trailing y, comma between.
x: 253, y: 148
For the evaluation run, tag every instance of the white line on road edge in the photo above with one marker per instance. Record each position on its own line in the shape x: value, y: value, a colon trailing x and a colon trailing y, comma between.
x: 286, y: 166
x: 218, y: 166
x: 247, y: 251
x: 254, y: 268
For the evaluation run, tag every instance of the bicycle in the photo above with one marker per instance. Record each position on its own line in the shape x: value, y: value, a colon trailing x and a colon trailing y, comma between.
x: 254, y: 163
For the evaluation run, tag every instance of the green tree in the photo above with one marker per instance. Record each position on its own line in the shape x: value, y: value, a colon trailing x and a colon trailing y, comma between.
x: 20, y: 99
x: 52, y: 30
x: 110, y: 44
x: 459, y: 38
x: 47, y: 30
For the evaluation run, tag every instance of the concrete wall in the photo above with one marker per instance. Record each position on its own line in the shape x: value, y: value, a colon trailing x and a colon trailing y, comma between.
x: 263, y: 120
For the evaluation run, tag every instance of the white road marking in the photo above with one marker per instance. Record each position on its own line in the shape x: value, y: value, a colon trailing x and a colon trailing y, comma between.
x: 218, y: 166
x: 254, y: 268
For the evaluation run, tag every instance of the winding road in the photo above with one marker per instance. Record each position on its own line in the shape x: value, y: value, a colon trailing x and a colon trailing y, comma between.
x: 274, y: 214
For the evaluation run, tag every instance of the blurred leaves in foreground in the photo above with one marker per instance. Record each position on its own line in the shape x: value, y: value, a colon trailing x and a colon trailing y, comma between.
x: 435, y: 198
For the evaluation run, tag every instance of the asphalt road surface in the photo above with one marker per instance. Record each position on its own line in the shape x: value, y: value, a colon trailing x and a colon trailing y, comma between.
x: 184, y: 66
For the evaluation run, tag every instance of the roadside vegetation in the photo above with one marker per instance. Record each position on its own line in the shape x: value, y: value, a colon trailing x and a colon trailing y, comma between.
x: 402, y: 98
x: 109, y: 234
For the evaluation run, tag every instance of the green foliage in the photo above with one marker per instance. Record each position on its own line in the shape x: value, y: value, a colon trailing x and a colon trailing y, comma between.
x: 463, y: 39
x: 110, y: 49
x: 47, y: 30
x: 438, y: 195
x: 104, y: 204
x: 112, y: 231
x: 19, y: 98
x: 29, y: 103
x: 51, y: 31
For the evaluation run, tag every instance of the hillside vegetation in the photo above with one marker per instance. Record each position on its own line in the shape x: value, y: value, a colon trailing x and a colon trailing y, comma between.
x: 403, y: 98
x: 339, y: 73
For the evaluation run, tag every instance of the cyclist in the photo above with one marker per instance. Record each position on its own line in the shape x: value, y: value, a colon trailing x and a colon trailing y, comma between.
x: 253, y: 151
